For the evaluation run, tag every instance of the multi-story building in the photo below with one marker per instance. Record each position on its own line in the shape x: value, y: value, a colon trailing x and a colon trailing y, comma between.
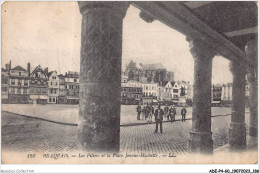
x: 62, y: 92
x: 216, y: 92
x: 53, y: 87
x: 5, y: 84
x: 39, y: 85
x: 169, y: 91
x: 18, y: 84
x: 226, y: 94
x: 72, y: 87
x: 131, y: 92
x: 150, y: 89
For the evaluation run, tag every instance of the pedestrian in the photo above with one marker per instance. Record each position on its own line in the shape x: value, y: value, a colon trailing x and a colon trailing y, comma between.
x: 159, y: 118
x: 143, y: 112
x: 148, y: 112
x: 172, y: 113
x: 152, y: 111
x: 183, y: 114
x: 166, y: 112
x: 139, y: 110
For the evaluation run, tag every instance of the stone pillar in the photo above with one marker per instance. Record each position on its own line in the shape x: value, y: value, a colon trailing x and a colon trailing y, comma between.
x: 100, y: 75
x: 251, y: 50
x: 237, y: 130
x: 201, y: 135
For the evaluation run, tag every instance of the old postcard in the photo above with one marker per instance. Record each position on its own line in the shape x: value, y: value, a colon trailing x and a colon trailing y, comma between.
x: 118, y: 82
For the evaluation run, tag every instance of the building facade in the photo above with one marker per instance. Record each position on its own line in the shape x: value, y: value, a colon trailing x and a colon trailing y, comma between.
x: 131, y: 92
x: 38, y: 86
x: 62, y: 91
x: 150, y: 90
x: 71, y: 80
x: 5, y: 84
x: 19, y: 84
x: 53, y: 87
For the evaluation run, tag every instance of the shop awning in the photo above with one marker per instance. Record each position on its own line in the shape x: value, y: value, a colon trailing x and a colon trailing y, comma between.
x: 33, y: 97
x: 72, y: 98
x: 215, y: 102
x: 4, y: 96
x: 45, y: 97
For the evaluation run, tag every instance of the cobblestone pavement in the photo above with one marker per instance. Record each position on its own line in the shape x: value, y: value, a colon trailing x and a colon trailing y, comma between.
x: 28, y: 134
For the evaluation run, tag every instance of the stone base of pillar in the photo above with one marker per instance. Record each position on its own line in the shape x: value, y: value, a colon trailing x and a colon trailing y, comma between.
x: 253, y: 131
x: 201, y: 142
x: 237, y: 134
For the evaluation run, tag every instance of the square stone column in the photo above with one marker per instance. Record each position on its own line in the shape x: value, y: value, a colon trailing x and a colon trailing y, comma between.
x: 100, y: 75
x: 237, y: 130
x: 201, y: 135
x: 251, y: 50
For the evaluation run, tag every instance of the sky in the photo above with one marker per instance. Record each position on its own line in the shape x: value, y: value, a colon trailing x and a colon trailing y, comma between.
x: 49, y: 33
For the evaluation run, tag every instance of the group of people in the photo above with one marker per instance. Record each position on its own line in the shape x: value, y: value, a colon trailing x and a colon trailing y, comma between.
x: 147, y: 112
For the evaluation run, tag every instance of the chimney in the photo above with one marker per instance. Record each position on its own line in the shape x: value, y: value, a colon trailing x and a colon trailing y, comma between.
x: 6, y: 67
x: 28, y: 69
x: 10, y: 67
x: 46, y: 70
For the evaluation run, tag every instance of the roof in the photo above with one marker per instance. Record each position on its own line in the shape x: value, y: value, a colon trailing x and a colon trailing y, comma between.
x: 18, y: 68
x: 61, y: 76
x: 163, y: 83
x: 49, y: 74
x: 152, y: 66
x: 3, y: 70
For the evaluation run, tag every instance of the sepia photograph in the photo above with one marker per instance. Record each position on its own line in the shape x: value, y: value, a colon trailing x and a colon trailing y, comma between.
x: 120, y: 82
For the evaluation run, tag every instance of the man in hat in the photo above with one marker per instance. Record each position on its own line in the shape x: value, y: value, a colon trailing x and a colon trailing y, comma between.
x: 158, y: 118
x: 183, y: 114
x: 172, y: 113
x: 166, y: 111
x: 139, y: 110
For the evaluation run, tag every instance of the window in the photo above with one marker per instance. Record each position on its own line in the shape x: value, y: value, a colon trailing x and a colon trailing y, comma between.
x: 4, y: 80
x: 56, y: 84
x: 32, y: 90
x: 53, y: 99
x: 20, y: 73
x: 51, y: 83
x: 44, y: 90
x: 18, y: 90
x: 19, y: 81
x: 25, y: 82
x: 53, y: 77
x: 49, y: 99
x: 24, y: 91
x: 38, y: 90
x: 75, y: 80
x: 175, y: 90
x: 4, y: 89
x: 12, y: 81
x: 12, y: 90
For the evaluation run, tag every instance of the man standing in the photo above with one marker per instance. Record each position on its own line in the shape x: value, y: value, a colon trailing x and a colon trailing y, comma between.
x: 166, y: 111
x: 172, y: 113
x: 148, y: 112
x: 143, y: 112
x: 139, y: 110
x: 183, y: 114
x: 158, y: 118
